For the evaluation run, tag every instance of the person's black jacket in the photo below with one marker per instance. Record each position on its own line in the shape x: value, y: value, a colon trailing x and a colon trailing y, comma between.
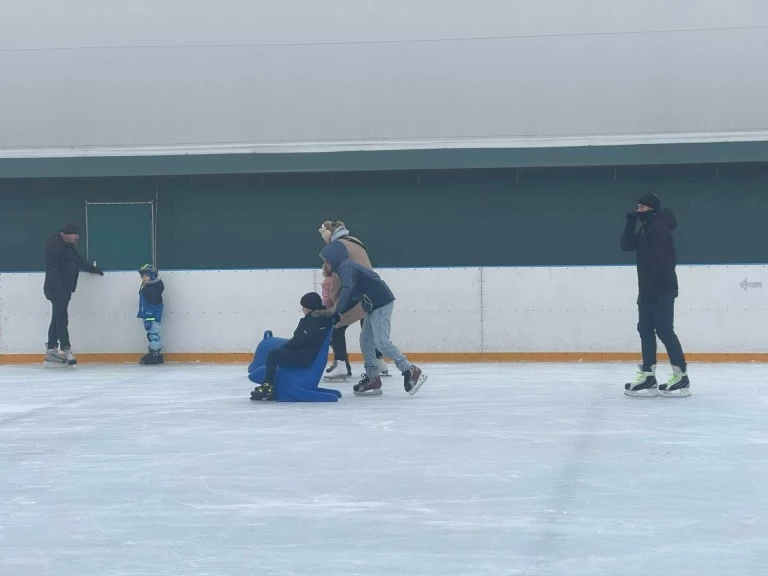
x: 153, y: 292
x: 309, y: 336
x: 655, y: 248
x: 62, y: 267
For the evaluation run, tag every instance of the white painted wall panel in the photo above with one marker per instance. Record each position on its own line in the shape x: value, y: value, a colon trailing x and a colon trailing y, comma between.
x: 436, y: 309
x: 559, y: 309
x: 229, y: 311
x: 566, y: 309
x: 717, y: 312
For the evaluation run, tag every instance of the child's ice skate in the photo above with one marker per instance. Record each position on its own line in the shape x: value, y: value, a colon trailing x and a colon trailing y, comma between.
x: 152, y: 357
x: 413, y: 379
x: 644, y: 385
x: 383, y: 369
x: 338, y: 370
x: 367, y: 387
x: 264, y: 392
x: 678, y: 385
x: 55, y: 359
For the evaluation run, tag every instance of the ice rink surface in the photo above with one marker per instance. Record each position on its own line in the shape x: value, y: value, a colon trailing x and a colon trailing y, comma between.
x: 536, y: 469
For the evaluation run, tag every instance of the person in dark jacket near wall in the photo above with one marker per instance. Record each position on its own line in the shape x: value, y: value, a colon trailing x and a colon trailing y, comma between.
x: 62, y: 269
x: 657, y: 283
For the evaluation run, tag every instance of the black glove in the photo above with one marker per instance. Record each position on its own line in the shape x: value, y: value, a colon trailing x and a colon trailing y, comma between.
x: 98, y: 271
x: 632, y: 217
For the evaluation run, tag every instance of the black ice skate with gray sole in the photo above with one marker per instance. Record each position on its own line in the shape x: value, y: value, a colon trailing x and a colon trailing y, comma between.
x: 152, y: 357
x: 678, y: 385
x: 367, y: 387
x: 644, y: 385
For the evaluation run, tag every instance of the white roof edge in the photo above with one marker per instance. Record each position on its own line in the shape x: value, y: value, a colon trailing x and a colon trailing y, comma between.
x: 384, y: 145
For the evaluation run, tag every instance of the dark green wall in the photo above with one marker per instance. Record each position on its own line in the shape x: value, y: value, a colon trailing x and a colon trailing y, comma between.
x: 501, y: 217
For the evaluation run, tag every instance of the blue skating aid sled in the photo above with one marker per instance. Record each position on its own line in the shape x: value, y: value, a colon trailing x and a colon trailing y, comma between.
x: 293, y: 384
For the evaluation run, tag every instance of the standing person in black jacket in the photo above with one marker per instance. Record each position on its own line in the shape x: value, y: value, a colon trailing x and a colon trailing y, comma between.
x: 299, y: 351
x: 657, y: 282
x: 62, y: 268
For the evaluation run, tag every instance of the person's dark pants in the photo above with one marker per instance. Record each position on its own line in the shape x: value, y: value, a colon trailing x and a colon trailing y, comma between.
x: 378, y: 354
x: 58, y: 330
x: 657, y: 318
x: 339, y: 344
x: 287, y: 358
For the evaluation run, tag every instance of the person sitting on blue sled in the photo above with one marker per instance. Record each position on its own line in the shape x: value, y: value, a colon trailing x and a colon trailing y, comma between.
x: 301, y: 350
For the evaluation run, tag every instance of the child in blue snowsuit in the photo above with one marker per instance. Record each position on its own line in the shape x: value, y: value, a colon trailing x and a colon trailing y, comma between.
x: 151, y: 311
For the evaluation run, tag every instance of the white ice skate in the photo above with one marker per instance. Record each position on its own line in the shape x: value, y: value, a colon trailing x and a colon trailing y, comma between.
x: 336, y: 371
x: 678, y: 385
x: 383, y: 370
x: 644, y: 385
x: 54, y: 358
x: 70, y: 358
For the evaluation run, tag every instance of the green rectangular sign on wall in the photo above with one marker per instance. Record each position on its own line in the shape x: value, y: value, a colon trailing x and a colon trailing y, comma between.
x: 120, y: 235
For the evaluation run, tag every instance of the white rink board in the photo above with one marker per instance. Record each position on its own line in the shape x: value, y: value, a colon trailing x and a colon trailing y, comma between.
x: 440, y: 310
x: 228, y: 311
x: 559, y: 309
x: 205, y: 311
x: 436, y: 309
x: 716, y: 313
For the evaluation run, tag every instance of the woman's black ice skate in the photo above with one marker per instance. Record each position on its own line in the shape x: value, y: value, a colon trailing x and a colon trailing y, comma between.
x: 644, y: 385
x: 678, y: 385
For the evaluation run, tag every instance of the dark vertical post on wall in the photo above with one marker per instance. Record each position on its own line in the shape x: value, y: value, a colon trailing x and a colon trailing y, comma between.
x: 154, y: 223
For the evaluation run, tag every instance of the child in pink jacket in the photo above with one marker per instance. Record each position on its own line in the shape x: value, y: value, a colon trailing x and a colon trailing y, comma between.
x: 336, y: 371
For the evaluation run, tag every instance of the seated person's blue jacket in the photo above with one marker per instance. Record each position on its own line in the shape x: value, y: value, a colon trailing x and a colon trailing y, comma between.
x: 309, y: 336
x: 151, y: 300
x: 358, y: 283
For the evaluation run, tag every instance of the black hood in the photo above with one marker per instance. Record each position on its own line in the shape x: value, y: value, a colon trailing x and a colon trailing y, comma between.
x: 667, y: 217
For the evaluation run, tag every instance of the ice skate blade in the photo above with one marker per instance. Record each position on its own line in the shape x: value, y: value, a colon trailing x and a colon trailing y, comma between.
x: 419, y: 382
x: 49, y: 364
x: 336, y: 378
x: 374, y: 392
x: 644, y: 393
x: 679, y: 393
